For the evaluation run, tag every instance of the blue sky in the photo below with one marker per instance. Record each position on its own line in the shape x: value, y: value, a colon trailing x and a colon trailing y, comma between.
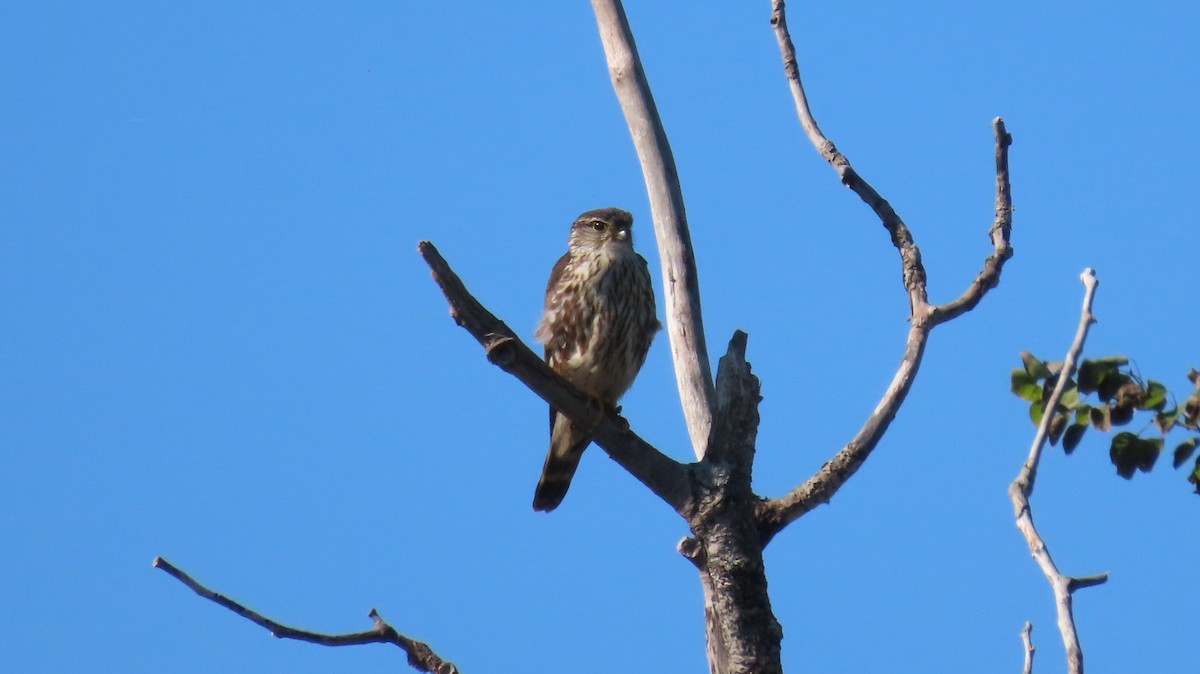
x: 220, y: 345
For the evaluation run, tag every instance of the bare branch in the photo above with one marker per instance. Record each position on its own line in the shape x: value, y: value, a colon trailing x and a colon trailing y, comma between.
x: 1022, y: 487
x: 910, y: 256
x: 663, y: 475
x: 1080, y: 582
x: 420, y: 655
x: 735, y: 422
x: 1000, y: 233
x: 1028, y: 475
x: 778, y: 513
x: 1027, y: 640
x: 681, y: 285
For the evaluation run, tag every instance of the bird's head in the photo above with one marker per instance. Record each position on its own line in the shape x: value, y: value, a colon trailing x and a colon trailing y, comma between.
x: 602, y: 227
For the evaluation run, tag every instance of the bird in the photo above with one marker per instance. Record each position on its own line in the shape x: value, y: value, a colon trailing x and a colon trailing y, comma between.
x: 598, y: 320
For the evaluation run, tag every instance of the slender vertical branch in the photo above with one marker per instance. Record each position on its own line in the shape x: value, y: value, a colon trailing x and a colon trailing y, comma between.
x: 1028, y: 475
x: 912, y: 268
x: 1027, y: 642
x: 1000, y: 233
x: 681, y: 285
x: 1022, y: 487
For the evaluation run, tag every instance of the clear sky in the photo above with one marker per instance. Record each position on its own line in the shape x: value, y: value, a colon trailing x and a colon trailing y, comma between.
x: 220, y: 345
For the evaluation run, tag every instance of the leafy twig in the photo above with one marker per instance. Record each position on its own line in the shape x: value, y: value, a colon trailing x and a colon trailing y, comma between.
x: 1022, y: 487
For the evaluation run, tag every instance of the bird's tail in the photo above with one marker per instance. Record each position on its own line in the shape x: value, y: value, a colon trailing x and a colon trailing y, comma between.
x: 567, y: 443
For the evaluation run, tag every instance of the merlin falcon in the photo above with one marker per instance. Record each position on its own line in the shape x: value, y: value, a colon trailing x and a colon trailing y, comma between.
x: 597, y: 323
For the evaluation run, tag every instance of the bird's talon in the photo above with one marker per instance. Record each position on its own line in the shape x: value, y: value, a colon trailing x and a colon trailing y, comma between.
x: 600, y: 408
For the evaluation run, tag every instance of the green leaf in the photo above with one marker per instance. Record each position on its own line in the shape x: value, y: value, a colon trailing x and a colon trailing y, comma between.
x: 1156, y: 396
x: 1083, y: 413
x: 1058, y: 423
x: 1165, y: 420
x: 1121, y: 414
x: 1088, y: 376
x: 1100, y: 420
x: 1128, y: 453
x: 1191, y: 411
x: 1048, y: 387
x: 1036, y: 368
x: 1036, y: 410
x: 1151, y: 448
x: 1094, y: 372
x: 1025, y: 387
x: 1070, y: 396
x: 1110, y: 384
x: 1120, y: 454
x: 1072, y: 436
x: 1194, y: 478
x: 1184, y: 451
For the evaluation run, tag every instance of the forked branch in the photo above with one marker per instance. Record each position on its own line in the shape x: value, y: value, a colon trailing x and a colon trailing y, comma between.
x: 420, y: 655
x: 1000, y: 233
x: 663, y: 475
x: 1022, y: 487
x: 778, y: 513
x: 681, y: 285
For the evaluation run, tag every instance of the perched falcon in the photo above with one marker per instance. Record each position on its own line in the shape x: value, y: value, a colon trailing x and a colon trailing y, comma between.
x: 597, y: 323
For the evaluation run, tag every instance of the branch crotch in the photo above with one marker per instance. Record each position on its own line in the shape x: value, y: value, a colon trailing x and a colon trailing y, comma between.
x: 743, y: 634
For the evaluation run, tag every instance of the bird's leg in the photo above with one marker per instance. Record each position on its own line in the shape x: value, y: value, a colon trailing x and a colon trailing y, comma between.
x: 600, y: 408
x: 614, y: 411
x: 604, y: 408
x: 621, y: 421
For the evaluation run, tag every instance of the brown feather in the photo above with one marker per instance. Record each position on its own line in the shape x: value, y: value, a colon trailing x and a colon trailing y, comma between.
x: 566, y: 449
x: 597, y: 324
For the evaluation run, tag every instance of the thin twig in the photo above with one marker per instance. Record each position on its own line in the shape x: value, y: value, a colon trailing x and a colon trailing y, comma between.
x: 681, y: 285
x: 1027, y: 640
x: 663, y: 475
x: 775, y: 514
x: 420, y: 655
x: 1022, y: 487
x: 912, y: 268
x: 1000, y: 233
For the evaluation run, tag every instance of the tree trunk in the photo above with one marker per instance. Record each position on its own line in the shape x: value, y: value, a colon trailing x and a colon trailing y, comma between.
x: 743, y: 634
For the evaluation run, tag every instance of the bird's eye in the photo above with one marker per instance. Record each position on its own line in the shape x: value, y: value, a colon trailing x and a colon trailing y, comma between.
x: 598, y: 226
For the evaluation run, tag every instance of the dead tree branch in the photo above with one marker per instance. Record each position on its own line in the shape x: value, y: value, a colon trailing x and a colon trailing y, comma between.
x: 1000, y: 233
x: 742, y: 632
x: 1027, y: 641
x: 775, y: 514
x: 664, y: 476
x: 681, y: 284
x: 1022, y: 487
x: 912, y: 268
x: 420, y: 655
